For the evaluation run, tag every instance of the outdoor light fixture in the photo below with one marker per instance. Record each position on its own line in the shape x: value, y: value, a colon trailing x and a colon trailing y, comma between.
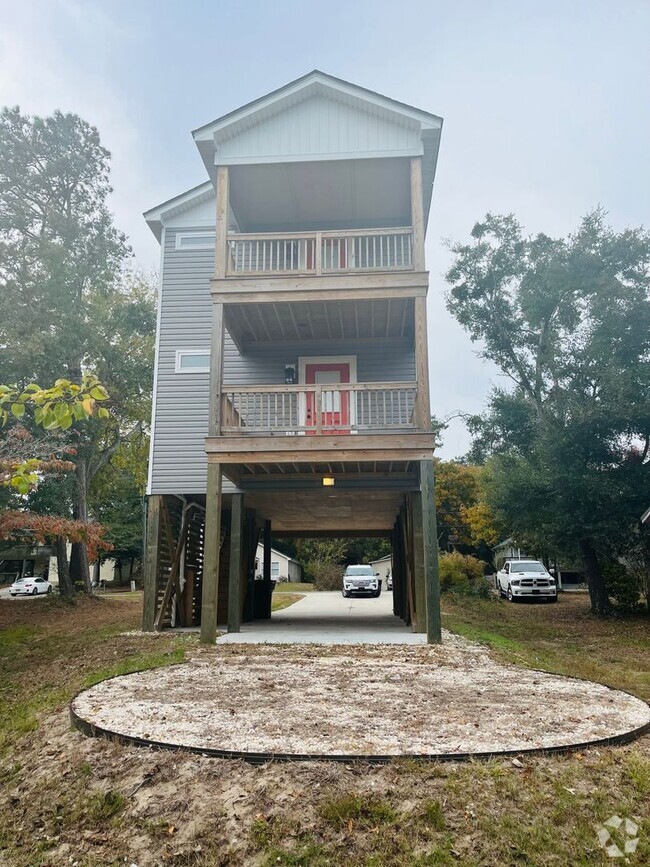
x: 289, y: 374
x: 328, y: 481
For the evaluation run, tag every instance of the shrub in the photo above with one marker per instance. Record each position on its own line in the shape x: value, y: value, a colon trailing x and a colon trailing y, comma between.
x: 462, y: 573
x: 623, y: 585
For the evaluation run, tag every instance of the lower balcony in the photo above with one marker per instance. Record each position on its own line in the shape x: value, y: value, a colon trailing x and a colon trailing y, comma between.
x: 310, y: 410
x: 364, y: 434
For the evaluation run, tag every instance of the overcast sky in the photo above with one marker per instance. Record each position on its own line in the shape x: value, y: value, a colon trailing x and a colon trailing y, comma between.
x: 546, y: 107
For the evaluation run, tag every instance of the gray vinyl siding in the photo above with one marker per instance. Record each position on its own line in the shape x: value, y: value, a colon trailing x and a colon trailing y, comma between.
x: 180, y: 425
x: 377, y: 360
x: 181, y: 414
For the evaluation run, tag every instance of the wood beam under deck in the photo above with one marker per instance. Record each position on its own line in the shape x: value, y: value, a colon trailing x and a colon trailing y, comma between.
x: 327, y: 511
x: 310, y: 450
x: 260, y: 290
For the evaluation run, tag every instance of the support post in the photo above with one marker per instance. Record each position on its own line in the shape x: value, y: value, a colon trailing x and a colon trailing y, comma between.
x: 422, y: 409
x: 212, y: 543
x: 430, y: 538
x: 235, y: 569
x: 216, y: 370
x: 151, y: 560
x: 418, y: 564
x: 221, y: 241
x: 417, y: 214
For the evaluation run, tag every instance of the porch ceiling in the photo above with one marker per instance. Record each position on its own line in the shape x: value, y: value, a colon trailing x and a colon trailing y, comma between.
x: 327, y: 511
x: 334, y: 194
x: 319, y: 320
x: 353, y: 475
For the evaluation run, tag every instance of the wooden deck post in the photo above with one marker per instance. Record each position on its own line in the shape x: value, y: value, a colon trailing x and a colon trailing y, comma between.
x: 221, y: 245
x: 430, y: 538
x: 418, y: 564
x: 151, y: 562
x: 236, y: 566
x: 417, y: 214
x: 212, y: 544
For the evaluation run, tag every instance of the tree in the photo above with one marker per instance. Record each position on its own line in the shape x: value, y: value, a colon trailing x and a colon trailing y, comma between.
x: 66, y: 302
x: 568, y: 321
x: 25, y: 459
x: 322, y: 560
x: 465, y: 520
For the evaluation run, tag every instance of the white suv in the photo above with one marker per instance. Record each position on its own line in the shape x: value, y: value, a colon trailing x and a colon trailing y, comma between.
x: 519, y: 579
x: 361, y: 579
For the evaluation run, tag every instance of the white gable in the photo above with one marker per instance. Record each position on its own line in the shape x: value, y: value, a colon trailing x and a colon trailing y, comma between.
x: 317, y: 128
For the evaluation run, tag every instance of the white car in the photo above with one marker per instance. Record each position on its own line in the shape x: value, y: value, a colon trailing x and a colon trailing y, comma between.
x: 526, y: 579
x: 361, y: 579
x: 30, y: 586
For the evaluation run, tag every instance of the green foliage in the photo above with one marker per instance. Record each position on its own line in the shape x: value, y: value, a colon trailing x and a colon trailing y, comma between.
x: 322, y: 561
x: 568, y: 321
x: 623, y: 585
x: 364, y: 810
x: 464, y: 517
x: 461, y: 573
x: 55, y: 408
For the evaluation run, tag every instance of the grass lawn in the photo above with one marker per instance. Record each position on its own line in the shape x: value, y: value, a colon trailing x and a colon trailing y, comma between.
x: 293, y: 587
x: 67, y: 799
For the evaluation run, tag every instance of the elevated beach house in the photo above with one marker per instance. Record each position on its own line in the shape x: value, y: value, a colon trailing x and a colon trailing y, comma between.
x: 291, y: 392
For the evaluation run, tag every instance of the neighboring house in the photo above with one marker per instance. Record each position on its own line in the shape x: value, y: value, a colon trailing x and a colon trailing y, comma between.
x: 383, y: 567
x: 291, y: 389
x: 105, y: 573
x: 20, y: 560
x: 283, y: 568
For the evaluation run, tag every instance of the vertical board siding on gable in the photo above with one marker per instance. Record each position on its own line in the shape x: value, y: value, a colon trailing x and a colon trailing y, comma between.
x: 320, y: 126
x: 181, y: 422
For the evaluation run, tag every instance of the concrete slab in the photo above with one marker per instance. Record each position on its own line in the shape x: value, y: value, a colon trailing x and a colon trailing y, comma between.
x: 328, y: 618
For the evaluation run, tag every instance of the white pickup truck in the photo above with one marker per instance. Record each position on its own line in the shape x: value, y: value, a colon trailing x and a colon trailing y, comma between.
x: 362, y: 580
x: 526, y: 579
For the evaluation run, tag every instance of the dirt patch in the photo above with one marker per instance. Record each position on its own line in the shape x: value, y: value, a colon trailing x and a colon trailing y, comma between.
x: 392, y: 701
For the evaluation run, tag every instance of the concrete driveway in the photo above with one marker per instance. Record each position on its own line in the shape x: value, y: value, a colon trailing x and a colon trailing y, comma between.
x: 328, y: 618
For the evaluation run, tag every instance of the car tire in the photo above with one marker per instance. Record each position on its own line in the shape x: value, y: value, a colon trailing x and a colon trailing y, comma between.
x: 509, y: 595
x: 377, y: 594
x: 49, y: 589
x: 13, y: 594
x: 35, y: 591
x: 345, y: 594
x: 552, y: 598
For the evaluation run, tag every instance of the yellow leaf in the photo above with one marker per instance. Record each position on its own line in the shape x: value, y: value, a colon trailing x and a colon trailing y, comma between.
x: 88, y: 405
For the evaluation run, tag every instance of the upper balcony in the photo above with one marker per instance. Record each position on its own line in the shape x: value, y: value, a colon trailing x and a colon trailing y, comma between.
x: 316, y: 254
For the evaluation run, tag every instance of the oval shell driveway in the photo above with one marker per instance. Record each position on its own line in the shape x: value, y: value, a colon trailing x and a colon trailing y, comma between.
x: 341, y: 678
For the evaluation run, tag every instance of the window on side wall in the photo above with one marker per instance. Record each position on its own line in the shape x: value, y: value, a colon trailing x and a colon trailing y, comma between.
x: 275, y: 570
x: 192, y: 361
x: 195, y: 240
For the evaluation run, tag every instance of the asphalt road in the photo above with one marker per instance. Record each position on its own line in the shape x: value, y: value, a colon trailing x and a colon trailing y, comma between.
x: 5, y: 594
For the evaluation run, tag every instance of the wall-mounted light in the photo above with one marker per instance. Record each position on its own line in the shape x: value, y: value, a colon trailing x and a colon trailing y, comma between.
x: 289, y: 374
x: 328, y: 481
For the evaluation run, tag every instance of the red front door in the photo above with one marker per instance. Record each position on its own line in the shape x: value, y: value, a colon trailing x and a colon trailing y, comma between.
x: 335, y: 404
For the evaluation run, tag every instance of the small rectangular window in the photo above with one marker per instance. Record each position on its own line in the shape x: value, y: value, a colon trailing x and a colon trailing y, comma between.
x: 275, y: 569
x: 192, y: 361
x: 195, y: 240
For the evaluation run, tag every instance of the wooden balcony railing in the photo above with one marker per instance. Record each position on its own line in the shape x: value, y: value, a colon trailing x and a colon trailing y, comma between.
x: 318, y: 409
x: 317, y: 253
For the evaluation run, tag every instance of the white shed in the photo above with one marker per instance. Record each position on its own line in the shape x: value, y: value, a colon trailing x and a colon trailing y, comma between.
x: 383, y: 567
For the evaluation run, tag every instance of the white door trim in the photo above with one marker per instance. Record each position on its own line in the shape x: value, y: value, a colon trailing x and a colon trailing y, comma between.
x: 304, y: 360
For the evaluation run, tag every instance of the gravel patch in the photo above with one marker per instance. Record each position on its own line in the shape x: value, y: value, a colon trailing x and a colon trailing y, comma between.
x: 361, y: 701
